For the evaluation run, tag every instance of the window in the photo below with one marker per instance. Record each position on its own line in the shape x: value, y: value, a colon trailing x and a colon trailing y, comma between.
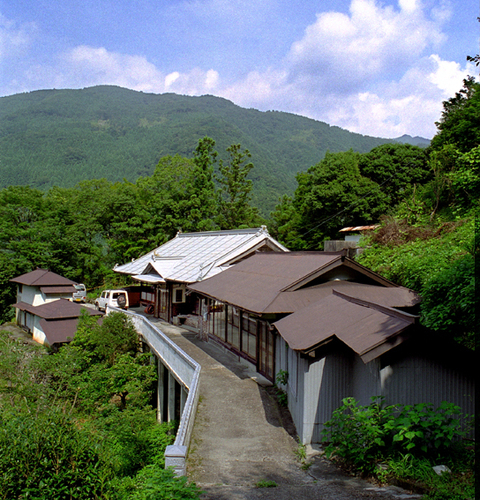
x: 178, y: 295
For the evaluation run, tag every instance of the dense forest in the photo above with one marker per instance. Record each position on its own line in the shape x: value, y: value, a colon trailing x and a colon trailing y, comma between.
x: 61, y: 137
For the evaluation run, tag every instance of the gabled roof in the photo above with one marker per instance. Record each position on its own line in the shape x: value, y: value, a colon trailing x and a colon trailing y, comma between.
x: 285, y: 282
x: 42, y: 277
x: 57, y: 309
x: 254, y: 283
x: 192, y: 257
x: 369, y: 329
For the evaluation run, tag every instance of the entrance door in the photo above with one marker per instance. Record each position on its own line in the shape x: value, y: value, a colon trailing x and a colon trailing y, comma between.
x: 266, y: 351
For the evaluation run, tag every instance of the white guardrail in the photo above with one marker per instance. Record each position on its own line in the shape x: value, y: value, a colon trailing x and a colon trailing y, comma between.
x: 186, y: 371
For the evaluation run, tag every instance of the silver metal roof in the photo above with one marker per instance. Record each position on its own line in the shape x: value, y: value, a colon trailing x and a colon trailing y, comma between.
x: 192, y: 257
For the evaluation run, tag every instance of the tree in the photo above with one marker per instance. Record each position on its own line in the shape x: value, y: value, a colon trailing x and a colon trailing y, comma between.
x: 202, y: 200
x: 165, y: 197
x: 396, y: 168
x: 234, y: 191
x: 460, y: 120
x: 331, y: 195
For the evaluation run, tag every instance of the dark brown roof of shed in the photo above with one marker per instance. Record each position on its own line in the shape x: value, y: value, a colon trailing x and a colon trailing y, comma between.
x: 60, y: 330
x: 368, y: 329
x: 42, y: 277
x: 288, y: 302
x: 57, y: 309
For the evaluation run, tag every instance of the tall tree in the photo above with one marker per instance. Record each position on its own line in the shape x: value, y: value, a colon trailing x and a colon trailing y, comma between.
x: 201, y: 202
x: 165, y: 196
x: 235, y: 190
x: 395, y: 167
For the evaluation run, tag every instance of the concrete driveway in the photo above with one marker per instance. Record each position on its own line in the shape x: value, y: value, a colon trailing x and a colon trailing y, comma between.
x: 244, y: 441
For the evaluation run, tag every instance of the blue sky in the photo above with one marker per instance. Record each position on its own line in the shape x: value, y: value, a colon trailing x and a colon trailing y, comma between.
x: 375, y: 67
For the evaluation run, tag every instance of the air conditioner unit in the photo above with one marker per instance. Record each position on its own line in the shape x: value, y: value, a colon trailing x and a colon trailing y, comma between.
x: 178, y: 295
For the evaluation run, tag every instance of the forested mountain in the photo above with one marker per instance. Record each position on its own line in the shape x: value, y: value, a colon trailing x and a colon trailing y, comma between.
x: 60, y: 137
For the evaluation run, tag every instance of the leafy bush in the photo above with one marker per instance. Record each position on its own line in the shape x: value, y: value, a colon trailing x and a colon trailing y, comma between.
x: 357, y: 434
x: 404, y: 443
x: 362, y: 435
x: 420, y: 428
x: 47, y: 456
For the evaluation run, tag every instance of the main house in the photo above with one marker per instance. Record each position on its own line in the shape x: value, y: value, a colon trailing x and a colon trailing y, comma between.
x: 336, y: 329
x: 44, y: 307
x: 188, y: 258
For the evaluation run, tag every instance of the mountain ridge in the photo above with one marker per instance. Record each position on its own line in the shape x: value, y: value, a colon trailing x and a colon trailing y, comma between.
x: 61, y: 137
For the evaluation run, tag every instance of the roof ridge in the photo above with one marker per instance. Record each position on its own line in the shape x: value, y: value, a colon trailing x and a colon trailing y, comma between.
x: 390, y: 311
x: 220, y: 232
x: 337, y: 255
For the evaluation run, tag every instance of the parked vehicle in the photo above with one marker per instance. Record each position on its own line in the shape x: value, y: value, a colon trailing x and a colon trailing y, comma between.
x: 112, y: 298
x: 80, y: 294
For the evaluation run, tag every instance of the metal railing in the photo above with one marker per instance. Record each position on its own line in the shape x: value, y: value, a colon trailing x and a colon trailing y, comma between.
x: 186, y: 370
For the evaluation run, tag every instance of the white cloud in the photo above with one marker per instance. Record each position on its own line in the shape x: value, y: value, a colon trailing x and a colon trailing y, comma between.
x: 95, y: 66
x: 14, y: 39
x: 369, y: 71
x: 340, y: 53
x: 373, y: 70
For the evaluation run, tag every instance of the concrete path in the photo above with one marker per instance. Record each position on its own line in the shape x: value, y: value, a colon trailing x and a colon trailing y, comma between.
x: 243, y: 439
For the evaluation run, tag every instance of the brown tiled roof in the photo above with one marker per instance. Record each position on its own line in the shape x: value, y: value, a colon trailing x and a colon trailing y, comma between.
x: 281, y: 282
x: 255, y: 283
x: 57, y: 309
x: 42, y: 277
x: 368, y: 329
x: 60, y: 330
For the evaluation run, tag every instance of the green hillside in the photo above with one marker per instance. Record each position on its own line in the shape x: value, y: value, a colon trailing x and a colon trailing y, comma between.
x: 60, y: 137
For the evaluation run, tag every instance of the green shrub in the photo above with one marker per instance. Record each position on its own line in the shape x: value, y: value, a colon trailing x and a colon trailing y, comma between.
x: 421, y: 429
x: 362, y: 435
x: 48, y: 456
x: 154, y: 483
x: 357, y: 434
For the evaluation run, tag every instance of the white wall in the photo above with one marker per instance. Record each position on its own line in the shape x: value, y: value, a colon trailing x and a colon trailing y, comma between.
x: 37, y: 331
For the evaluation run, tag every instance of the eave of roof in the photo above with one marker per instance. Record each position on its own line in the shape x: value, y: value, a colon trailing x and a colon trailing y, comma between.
x: 368, y: 329
x: 50, y: 290
x: 57, y: 309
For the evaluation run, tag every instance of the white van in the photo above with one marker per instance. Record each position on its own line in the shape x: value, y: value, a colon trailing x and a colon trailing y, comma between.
x: 80, y: 293
x: 112, y: 298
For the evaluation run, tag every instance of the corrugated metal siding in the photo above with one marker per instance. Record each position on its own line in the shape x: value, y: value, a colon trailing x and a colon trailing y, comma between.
x: 366, y: 381
x: 328, y: 381
x: 317, y: 386
x: 417, y: 379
